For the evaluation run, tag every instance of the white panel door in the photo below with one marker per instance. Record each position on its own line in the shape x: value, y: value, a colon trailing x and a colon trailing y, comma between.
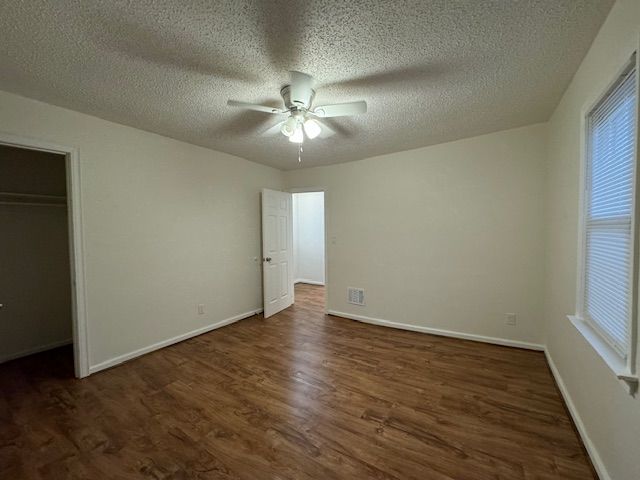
x: 277, y: 251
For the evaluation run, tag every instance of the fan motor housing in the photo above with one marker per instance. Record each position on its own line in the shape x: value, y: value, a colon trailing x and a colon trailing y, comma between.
x: 295, y: 103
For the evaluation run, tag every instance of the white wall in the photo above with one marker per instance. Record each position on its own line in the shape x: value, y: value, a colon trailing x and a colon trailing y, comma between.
x: 167, y: 225
x: 308, y: 237
x: 611, y: 417
x: 448, y: 237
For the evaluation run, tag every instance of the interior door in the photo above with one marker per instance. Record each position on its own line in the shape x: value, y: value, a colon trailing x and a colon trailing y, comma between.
x: 277, y: 251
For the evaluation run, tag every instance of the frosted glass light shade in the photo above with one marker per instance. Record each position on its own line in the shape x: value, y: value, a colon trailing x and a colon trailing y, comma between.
x: 289, y: 127
x: 312, y: 128
x: 297, y: 136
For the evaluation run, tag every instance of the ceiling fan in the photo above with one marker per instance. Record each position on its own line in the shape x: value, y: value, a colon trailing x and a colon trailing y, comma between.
x: 303, y: 119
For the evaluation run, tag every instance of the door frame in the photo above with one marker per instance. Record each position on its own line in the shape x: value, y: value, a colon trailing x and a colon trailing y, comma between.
x: 326, y: 237
x: 76, y: 242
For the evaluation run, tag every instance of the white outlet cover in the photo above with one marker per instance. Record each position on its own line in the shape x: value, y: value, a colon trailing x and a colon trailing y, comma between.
x: 355, y: 296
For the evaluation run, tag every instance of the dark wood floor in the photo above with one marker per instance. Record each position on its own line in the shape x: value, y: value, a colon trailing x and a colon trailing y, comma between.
x: 298, y: 396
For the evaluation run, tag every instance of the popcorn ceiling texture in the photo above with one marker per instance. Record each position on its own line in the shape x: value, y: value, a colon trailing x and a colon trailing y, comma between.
x: 430, y: 71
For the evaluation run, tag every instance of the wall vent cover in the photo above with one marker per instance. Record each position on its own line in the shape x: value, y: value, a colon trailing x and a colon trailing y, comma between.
x: 356, y: 296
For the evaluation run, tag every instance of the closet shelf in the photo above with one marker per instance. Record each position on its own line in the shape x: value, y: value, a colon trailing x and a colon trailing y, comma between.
x: 32, y: 199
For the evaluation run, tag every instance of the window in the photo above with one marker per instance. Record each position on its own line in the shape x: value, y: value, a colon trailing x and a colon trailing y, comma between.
x: 609, y: 210
x: 606, y: 308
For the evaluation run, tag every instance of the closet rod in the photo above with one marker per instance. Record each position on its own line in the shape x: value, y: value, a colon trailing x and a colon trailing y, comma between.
x: 34, y: 204
x: 33, y: 195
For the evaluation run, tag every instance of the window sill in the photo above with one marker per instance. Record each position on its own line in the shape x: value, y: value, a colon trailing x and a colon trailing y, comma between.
x: 611, y: 358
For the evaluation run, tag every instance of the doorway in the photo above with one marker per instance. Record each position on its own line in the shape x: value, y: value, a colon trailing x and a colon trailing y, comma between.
x: 35, y: 285
x: 293, y: 247
x: 41, y: 262
x: 309, y: 262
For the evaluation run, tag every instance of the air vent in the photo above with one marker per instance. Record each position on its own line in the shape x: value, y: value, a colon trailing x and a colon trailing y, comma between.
x: 356, y: 296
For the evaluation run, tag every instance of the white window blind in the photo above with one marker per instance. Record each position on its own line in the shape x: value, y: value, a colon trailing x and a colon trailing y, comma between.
x: 608, y: 284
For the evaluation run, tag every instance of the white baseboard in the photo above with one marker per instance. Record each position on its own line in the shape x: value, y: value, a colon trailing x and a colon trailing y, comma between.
x: 31, y: 351
x: 437, y: 331
x: 598, y: 464
x: 170, y: 341
x: 310, y: 282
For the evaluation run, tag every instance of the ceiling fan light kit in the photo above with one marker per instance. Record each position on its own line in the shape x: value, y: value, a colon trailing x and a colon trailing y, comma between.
x: 303, y: 120
x: 312, y: 128
x: 298, y: 136
x: 289, y: 126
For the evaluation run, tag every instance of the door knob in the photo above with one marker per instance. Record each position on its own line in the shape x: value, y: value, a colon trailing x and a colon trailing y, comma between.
x: 268, y: 259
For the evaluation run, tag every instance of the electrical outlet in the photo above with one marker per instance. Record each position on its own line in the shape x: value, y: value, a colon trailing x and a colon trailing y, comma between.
x: 510, y: 318
x: 201, y: 309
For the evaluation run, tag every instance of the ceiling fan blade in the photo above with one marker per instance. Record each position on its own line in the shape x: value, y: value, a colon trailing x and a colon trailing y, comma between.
x: 253, y: 106
x: 341, y: 109
x: 301, y: 88
x: 271, y: 131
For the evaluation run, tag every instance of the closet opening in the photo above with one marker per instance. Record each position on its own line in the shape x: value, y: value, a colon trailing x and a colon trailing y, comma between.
x: 37, y: 281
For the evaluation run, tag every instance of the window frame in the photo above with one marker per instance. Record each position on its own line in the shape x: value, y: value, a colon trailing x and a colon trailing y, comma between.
x: 623, y: 365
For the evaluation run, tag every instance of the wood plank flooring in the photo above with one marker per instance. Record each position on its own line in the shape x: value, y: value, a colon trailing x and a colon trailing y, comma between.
x: 298, y: 396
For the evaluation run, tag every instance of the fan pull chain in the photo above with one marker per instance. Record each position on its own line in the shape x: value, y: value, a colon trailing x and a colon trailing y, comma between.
x: 300, y: 153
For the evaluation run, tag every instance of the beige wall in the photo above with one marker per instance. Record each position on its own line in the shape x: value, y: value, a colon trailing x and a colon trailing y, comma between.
x: 35, y: 285
x: 611, y: 417
x: 446, y: 237
x: 167, y: 225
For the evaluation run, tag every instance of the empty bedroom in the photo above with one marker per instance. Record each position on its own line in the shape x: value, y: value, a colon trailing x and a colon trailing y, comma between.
x: 318, y: 239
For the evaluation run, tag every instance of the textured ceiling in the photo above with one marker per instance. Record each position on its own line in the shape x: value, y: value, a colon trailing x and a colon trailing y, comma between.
x: 430, y: 71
